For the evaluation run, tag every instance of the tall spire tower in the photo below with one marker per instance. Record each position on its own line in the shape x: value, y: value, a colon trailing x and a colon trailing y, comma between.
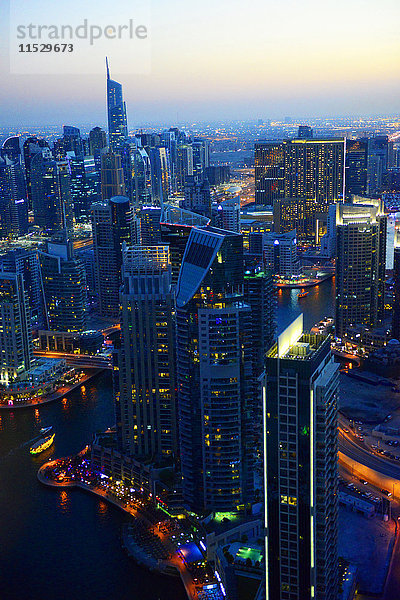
x: 116, y: 111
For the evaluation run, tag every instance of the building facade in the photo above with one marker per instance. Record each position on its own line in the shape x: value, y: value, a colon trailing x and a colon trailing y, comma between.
x: 300, y: 453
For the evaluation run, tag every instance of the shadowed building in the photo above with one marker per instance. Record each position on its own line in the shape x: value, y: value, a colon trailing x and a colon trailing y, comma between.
x: 300, y: 455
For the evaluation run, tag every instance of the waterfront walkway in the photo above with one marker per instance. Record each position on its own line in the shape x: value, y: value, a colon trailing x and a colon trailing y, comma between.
x: 61, y: 392
x: 171, y: 566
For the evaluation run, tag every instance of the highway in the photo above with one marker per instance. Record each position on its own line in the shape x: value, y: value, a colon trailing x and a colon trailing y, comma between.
x: 362, y: 455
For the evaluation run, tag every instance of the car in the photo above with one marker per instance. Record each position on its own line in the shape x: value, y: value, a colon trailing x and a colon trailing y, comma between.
x: 346, y: 430
x: 386, y: 492
x: 363, y: 481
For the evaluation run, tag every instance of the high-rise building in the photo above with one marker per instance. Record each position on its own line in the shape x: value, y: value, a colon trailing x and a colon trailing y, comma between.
x: 299, y: 214
x: 32, y: 146
x: 64, y: 286
x: 26, y: 263
x: 146, y: 410
x: 175, y: 225
x: 112, y: 176
x: 314, y: 169
x: 269, y: 172
x: 116, y: 111
x: 356, y: 167
x: 197, y: 195
x: 259, y: 294
x: 301, y: 177
x: 111, y: 223
x: 360, y: 264
x: 16, y: 350
x: 300, y: 453
x: 184, y: 167
x: 228, y: 214
x: 280, y: 253
x: 46, y: 198
x: 97, y: 140
x: 378, y: 148
x: 396, y: 276
x: 72, y: 141
x: 214, y: 366
x: 141, y: 176
x: 160, y: 175
x: 18, y: 203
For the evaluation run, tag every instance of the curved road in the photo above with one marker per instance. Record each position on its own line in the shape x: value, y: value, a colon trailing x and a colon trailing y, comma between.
x: 386, y: 467
x: 362, y: 455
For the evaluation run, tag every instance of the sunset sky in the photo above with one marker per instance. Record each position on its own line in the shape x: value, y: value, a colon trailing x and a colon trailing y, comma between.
x: 215, y: 59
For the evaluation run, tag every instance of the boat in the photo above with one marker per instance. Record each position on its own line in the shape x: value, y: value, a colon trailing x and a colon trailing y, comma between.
x: 45, y: 430
x: 303, y: 294
x: 42, y: 444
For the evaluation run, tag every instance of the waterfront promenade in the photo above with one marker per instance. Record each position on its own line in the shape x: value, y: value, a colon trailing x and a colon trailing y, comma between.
x: 171, y: 566
x: 61, y: 392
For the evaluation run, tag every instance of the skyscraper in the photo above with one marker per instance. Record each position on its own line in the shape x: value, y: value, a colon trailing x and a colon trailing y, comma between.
x: 214, y: 362
x: 197, y: 195
x: 146, y: 391
x: 112, y: 176
x: 64, y: 286
x: 116, y: 111
x: 356, y: 167
x: 314, y: 169
x: 16, y: 350
x: 378, y: 148
x: 396, y: 275
x: 18, y: 205
x: 269, y: 172
x: 32, y: 146
x: 160, y: 175
x: 301, y: 177
x: 280, y: 253
x: 97, y: 140
x: 47, y: 203
x: 25, y: 262
x: 111, y: 221
x: 360, y: 264
x: 300, y: 453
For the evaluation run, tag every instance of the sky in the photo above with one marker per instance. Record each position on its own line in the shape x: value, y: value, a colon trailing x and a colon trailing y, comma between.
x: 222, y: 59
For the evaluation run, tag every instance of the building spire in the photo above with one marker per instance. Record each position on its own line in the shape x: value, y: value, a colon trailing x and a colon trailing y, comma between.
x: 108, y: 70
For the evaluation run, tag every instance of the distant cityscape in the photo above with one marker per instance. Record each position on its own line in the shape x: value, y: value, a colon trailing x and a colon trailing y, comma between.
x: 255, y: 443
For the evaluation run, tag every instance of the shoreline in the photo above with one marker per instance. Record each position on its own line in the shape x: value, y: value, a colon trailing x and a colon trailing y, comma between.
x: 170, y: 568
x: 307, y: 284
x: 51, y: 397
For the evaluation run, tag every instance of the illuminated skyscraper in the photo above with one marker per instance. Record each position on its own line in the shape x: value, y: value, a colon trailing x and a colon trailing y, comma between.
x: 112, y: 176
x: 301, y: 178
x: 215, y: 368
x: 356, y: 167
x: 46, y: 197
x: 64, y: 286
x: 116, y: 110
x: 13, y: 195
x: 269, y: 172
x: 111, y: 222
x: 396, y: 275
x: 314, y: 169
x: 16, y: 350
x: 360, y: 264
x: 160, y: 175
x: 31, y: 147
x: 146, y: 388
x: 378, y: 149
x: 300, y: 454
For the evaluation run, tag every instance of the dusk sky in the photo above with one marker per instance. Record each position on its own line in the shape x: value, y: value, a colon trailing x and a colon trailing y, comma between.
x: 220, y: 59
